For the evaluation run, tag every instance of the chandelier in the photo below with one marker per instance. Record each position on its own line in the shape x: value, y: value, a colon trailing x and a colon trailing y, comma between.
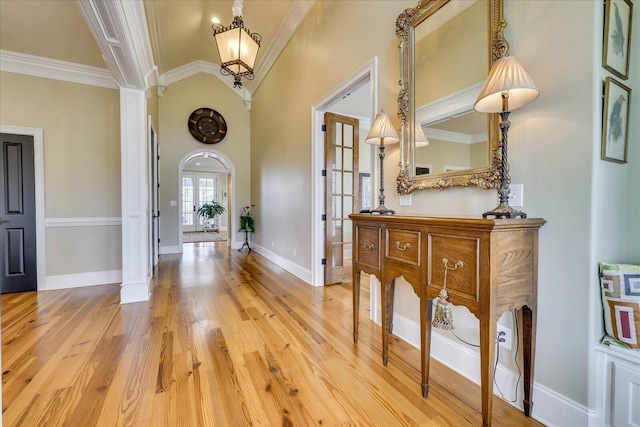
x: 237, y: 46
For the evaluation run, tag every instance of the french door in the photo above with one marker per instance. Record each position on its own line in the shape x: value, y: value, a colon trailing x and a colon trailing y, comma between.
x: 197, y: 189
x: 342, y: 195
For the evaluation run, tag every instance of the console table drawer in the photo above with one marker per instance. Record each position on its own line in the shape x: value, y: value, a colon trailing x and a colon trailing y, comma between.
x: 368, y: 240
x: 464, y: 281
x: 403, y: 246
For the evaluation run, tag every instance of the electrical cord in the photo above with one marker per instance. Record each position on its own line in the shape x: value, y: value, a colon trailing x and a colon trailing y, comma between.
x: 515, y: 358
x: 495, y: 366
x: 467, y: 343
x: 454, y: 334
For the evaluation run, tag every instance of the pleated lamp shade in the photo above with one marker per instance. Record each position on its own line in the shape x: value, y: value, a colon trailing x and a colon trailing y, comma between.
x: 420, y: 138
x: 506, y: 75
x: 382, y: 129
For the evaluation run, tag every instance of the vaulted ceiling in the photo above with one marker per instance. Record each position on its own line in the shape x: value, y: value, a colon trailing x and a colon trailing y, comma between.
x: 178, y: 32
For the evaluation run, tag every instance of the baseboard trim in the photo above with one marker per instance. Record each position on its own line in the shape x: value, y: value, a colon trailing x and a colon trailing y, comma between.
x: 166, y: 250
x: 291, y: 267
x: 79, y: 280
x: 550, y: 407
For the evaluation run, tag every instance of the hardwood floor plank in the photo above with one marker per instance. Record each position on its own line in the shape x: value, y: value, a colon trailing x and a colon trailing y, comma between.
x: 227, y: 339
x: 233, y: 404
x: 273, y: 395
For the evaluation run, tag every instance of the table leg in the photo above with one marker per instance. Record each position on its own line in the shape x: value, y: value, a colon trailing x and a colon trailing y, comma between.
x: 425, y: 342
x: 356, y: 305
x: 384, y: 294
x: 528, y: 356
x: 390, y: 301
x: 488, y: 329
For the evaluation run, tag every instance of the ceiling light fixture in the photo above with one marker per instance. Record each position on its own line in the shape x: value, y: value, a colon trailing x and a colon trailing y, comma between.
x: 237, y: 46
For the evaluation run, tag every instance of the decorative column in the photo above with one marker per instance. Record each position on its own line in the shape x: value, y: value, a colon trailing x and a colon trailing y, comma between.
x: 135, y: 239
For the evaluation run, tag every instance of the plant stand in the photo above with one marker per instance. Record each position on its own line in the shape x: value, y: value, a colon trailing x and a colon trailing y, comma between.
x: 246, y: 242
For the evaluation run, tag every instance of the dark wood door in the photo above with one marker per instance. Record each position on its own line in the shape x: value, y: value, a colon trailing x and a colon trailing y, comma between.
x: 18, y: 268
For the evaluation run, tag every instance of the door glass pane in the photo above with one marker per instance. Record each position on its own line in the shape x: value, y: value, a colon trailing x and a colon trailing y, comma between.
x: 338, y: 140
x: 347, y: 206
x: 337, y: 182
x: 187, y: 200
x: 206, y: 192
x: 337, y: 207
x: 337, y: 157
x: 347, y: 183
x: 337, y: 258
x: 347, y: 232
x: 348, y: 159
x: 348, y: 136
x: 334, y: 206
x: 348, y: 251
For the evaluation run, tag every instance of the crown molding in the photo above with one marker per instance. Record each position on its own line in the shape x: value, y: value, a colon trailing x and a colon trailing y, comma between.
x: 200, y: 66
x: 445, y: 135
x: 120, y: 29
x: 37, y: 66
x: 448, y: 107
x: 298, y: 11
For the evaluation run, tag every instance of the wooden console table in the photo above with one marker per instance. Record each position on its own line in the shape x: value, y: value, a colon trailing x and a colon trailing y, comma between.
x: 499, y: 273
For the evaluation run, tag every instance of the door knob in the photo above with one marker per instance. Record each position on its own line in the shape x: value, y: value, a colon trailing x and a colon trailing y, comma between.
x: 2, y: 221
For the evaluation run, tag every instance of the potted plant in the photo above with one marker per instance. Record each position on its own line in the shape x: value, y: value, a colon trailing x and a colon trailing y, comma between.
x: 246, y: 220
x: 210, y: 211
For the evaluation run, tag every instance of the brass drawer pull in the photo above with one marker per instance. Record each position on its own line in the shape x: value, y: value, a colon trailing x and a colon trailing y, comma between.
x: 368, y: 246
x: 455, y: 267
x: 406, y: 246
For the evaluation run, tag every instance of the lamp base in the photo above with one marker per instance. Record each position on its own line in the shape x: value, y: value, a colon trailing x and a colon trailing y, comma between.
x: 504, y: 211
x: 382, y: 210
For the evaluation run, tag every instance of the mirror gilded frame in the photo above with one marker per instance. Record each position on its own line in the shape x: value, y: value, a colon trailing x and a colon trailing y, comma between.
x: 484, y: 177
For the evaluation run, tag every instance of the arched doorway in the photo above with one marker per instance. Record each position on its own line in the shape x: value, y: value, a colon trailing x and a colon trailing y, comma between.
x: 203, y: 166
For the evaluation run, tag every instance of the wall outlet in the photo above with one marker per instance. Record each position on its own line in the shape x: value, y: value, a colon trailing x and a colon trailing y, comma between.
x: 405, y: 200
x: 295, y: 253
x: 516, y: 197
x: 507, y: 337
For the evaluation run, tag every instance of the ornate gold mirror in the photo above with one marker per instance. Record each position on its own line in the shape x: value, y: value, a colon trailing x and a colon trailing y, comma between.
x: 447, y: 48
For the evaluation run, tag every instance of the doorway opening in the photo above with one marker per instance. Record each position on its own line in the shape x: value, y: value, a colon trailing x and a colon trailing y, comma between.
x: 356, y: 97
x: 205, y: 177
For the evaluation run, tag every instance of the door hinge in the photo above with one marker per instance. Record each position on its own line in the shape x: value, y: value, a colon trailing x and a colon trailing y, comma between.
x: 324, y: 217
x: 324, y: 261
x: 324, y: 172
x: 324, y: 128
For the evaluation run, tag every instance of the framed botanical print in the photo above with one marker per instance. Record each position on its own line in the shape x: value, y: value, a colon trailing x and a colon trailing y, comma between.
x: 365, y: 191
x: 615, y: 121
x: 617, y: 37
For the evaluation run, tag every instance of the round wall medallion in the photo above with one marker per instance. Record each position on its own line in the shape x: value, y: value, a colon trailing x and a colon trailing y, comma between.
x: 207, y: 125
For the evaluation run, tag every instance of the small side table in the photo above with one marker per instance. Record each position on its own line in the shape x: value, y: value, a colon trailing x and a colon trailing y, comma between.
x: 246, y: 242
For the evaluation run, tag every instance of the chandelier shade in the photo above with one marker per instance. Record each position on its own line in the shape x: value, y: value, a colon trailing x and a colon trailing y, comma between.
x: 237, y: 47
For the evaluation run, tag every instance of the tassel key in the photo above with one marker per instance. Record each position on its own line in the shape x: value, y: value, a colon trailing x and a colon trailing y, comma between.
x: 443, y: 317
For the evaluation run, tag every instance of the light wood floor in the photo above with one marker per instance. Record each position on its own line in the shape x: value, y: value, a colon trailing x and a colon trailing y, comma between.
x: 227, y: 339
